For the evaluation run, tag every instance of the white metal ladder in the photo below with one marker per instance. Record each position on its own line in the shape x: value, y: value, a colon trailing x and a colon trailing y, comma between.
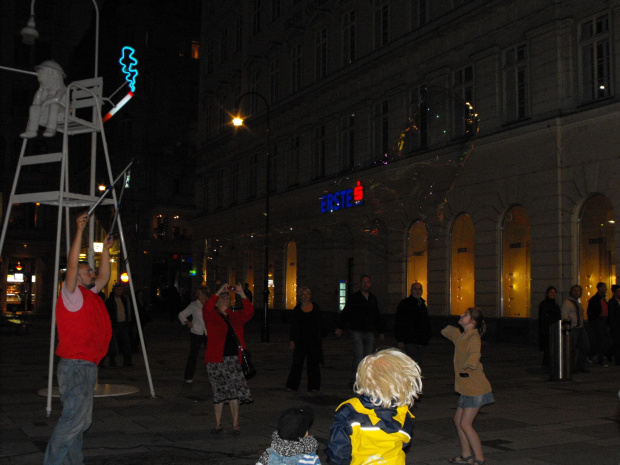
x: 81, y: 115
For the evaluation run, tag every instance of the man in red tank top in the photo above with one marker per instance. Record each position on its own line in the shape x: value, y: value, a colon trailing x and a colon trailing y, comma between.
x: 84, y: 332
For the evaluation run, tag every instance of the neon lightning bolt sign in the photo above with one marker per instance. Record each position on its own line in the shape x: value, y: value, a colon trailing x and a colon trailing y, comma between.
x: 129, y: 63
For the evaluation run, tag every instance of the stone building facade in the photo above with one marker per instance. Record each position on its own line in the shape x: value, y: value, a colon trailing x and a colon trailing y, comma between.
x: 482, y: 134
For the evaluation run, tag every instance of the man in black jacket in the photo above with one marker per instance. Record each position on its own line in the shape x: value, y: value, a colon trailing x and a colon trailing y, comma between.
x: 613, y: 320
x: 361, y: 315
x: 413, y: 326
x: 597, y: 316
x: 122, y: 321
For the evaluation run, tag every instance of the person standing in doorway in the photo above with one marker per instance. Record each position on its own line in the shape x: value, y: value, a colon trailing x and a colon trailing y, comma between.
x: 198, y: 331
x: 613, y: 320
x: 413, y: 326
x: 362, y: 317
x: 84, y: 331
x: 597, y: 316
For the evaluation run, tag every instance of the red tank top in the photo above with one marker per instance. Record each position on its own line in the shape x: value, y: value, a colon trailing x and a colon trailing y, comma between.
x: 85, y: 334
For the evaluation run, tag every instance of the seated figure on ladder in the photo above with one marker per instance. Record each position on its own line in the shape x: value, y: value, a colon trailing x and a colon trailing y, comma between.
x: 47, y: 101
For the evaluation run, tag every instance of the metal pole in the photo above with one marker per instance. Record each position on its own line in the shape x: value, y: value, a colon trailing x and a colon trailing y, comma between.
x: 265, y: 336
x: 265, y: 333
x: 125, y: 253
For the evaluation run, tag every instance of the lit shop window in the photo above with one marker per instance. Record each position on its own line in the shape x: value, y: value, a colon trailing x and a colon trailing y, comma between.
x: 516, y: 277
x: 596, y: 245
x: 291, y: 274
x: 462, y: 269
x: 195, y: 50
x: 417, y: 256
x: 160, y: 226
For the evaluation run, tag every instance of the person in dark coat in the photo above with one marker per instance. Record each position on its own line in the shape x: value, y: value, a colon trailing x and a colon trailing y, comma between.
x: 413, y: 326
x: 548, y: 312
x: 613, y: 320
x: 306, y: 341
x: 362, y: 318
x: 121, y: 317
x: 597, y: 317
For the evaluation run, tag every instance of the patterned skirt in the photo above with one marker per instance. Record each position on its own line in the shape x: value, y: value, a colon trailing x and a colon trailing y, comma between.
x: 228, y: 382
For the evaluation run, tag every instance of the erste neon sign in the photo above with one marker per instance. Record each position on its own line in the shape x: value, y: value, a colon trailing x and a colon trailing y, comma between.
x: 340, y: 200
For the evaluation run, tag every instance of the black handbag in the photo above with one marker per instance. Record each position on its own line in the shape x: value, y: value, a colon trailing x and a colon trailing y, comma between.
x: 246, y: 364
x: 246, y: 357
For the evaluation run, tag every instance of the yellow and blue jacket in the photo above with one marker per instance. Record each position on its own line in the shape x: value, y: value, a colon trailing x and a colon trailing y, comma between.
x: 363, y: 434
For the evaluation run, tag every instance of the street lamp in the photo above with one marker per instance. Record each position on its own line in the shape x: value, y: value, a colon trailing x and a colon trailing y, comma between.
x: 238, y: 121
x: 29, y: 33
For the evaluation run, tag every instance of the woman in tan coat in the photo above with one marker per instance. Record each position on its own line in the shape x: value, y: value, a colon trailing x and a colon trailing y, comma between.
x: 469, y: 381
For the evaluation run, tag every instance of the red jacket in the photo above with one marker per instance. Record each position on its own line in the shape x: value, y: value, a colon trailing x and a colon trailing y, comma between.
x: 217, y: 327
x: 85, y: 334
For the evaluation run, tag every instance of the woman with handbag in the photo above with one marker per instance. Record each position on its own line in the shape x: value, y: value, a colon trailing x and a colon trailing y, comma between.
x: 223, y: 355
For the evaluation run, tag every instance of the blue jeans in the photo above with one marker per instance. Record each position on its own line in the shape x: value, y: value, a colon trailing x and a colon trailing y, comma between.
x: 76, y: 380
x: 363, y: 342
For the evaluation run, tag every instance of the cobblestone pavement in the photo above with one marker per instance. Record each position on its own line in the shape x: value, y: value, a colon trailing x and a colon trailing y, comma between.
x: 534, y: 421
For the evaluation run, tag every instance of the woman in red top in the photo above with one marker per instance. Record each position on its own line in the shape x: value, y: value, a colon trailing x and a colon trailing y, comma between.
x: 223, y: 357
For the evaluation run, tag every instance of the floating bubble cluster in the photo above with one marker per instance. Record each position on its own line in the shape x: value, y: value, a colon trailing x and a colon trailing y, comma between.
x: 410, y: 182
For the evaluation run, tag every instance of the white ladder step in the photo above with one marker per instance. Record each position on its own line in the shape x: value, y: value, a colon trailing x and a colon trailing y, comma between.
x: 40, y: 159
x: 79, y: 126
x: 70, y: 199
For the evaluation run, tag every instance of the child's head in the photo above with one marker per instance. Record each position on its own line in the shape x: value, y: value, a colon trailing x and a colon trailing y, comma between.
x: 478, y: 318
x: 389, y: 378
x: 294, y: 423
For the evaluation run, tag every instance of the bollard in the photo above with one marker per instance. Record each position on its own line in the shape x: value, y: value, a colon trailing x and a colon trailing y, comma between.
x: 560, y: 351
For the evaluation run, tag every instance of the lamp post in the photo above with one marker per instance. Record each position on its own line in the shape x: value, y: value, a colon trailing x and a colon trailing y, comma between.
x: 29, y: 32
x: 238, y: 121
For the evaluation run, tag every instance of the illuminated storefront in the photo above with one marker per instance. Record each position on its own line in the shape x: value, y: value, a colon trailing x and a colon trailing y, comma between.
x: 417, y: 256
x: 291, y: 274
x: 596, y: 245
x: 516, y: 273
x: 462, y: 265
x: 21, y: 284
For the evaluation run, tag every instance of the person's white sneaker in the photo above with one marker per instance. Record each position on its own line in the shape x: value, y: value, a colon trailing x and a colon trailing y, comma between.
x: 189, y: 381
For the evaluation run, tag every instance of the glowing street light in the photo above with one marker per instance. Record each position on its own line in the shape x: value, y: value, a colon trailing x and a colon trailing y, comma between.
x: 238, y: 121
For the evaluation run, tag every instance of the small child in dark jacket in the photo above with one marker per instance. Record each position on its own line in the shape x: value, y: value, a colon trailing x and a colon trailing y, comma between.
x: 291, y: 444
x: 375, y: 426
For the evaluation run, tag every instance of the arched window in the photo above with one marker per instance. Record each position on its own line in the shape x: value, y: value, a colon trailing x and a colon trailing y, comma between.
x: 516, y: 275
x: 596, y: 245
x: 417, y: 255
x: 291, y: 274
x: 462, y: 269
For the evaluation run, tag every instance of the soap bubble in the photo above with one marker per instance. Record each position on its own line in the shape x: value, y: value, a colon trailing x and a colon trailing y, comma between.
x: 439, y: 118
x: 408, y: 183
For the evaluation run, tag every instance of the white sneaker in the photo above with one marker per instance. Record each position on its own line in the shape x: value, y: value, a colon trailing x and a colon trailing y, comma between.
x: 189, y: 381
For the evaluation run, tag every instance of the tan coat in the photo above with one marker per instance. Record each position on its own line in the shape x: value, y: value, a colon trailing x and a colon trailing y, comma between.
x: 467, y: 362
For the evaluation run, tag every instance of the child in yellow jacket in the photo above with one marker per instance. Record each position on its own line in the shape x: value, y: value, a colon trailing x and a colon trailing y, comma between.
x: 375, y: 426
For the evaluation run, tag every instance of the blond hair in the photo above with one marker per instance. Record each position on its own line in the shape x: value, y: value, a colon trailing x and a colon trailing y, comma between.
x: 389, y: 378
